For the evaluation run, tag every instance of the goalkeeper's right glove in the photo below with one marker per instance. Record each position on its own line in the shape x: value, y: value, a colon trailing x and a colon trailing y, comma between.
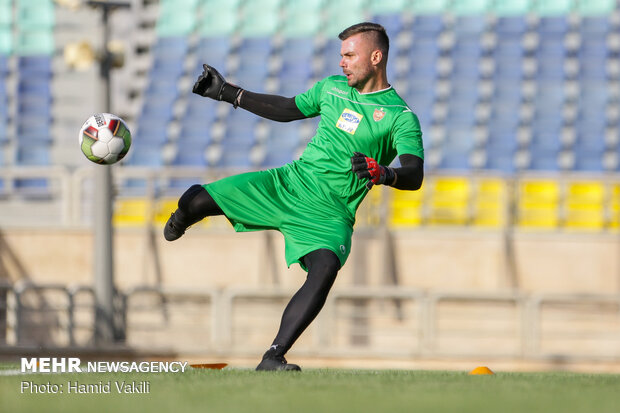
x: 368, y: 168
x: 212, y: 84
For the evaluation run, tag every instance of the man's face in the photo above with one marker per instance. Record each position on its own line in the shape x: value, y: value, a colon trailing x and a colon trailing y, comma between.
x: 356, y: 62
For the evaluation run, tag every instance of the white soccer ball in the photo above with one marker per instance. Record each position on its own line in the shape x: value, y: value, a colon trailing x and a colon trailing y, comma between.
x: 105, y: 138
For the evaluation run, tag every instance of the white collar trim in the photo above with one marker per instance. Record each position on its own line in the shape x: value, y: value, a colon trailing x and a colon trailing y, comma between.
x: 376, y: 91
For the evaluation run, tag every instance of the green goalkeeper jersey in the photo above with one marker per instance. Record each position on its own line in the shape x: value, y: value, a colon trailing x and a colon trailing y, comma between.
x: 312, y: 201
x: 378, y: 124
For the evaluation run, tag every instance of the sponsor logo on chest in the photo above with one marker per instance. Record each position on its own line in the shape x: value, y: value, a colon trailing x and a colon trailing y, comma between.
x: 349, y: 121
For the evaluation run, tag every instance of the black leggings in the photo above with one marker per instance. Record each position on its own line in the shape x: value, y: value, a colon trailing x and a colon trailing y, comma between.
x: 323, y: 266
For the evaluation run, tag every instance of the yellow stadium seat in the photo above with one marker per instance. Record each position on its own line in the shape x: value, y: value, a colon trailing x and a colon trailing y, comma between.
x: 449, y: 201
x: 163, y: 209
x: 538, y: 204
x: 130, y: 212
x: 490, y: 203
x: 405, y: 209
x: 585, y: 205
x: 614, y: 207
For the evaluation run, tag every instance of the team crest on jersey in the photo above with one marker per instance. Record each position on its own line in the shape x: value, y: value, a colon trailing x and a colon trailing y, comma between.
x: 349, y: 121
x: 378, y: 114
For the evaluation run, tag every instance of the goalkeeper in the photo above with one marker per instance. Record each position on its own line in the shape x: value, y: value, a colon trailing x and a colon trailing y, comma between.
x: 312, y: 201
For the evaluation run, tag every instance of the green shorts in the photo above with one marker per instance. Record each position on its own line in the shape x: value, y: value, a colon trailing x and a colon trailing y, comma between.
x: 275, y: 199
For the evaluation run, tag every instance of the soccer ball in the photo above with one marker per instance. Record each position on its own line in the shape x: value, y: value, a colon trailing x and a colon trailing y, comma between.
x: 105, y: 138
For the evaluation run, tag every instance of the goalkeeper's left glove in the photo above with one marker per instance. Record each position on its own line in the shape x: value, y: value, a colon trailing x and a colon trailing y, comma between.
x: 367, y: 168
x: 212, y: 84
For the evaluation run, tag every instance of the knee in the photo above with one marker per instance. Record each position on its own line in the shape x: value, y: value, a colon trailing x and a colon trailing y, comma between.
x: 323, y: 265
x: 188, y: 196
x: 331, y: 267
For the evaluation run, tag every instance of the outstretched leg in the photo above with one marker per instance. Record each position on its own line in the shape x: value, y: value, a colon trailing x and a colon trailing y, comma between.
x: 195, y: 204
x: 323, y: 266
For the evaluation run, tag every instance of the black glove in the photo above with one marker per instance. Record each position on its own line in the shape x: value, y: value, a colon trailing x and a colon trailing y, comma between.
x: 367, y: 168
x: 212, y: 84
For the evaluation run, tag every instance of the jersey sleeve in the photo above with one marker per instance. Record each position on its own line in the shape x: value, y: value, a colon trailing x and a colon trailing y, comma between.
x: 407, y: 135
x: 309, y: 102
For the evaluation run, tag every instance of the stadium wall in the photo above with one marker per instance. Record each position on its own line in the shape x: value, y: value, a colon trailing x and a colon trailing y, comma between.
x: 425, y: 259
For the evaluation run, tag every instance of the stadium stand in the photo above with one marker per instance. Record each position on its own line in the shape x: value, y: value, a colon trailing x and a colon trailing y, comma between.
x: 502, y: 88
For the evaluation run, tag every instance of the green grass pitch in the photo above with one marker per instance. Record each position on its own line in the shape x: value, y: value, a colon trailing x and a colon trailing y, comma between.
x: 323, y: 390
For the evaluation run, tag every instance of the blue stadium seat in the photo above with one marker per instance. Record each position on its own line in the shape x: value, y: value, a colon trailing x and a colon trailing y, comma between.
x: 33, y: 152
x: 151, y: 132
x: 510, y: 26
x: 156, y: 109
x: 508, y: 72
x: 594, y: 25
x: 240, y: 127
x: 455, y: 160
x: 191, y: 153
x: 281, y: 144
x: 429, y: 24
x: 392, y: 22
x: 467, y: 48
x: 296, y: 69
x: 4, y: 112
x: 544, y: 151
x: 34, y: 128
x: 553, y: 26
x: 170, y: 48
x: 168, y: 58
x: 292, y: 87
x: 4, y: 137
x: 192, y: 132
x: 34, y: 87
x: 145, y: 154
x: 500, y: 123
x: 457, y: 147
x: 297, y: 48
x: 589, y: 161
x: 260, y: 47
x: 464, y: 93
x: 331, y: 56
x: 421, y: 98
x: 422, y: 73
x: 39, y: 66
x: 165, y: 88
x: 33, y: 106
x: 4, y: 65
x: 167, y: 68
x: 200, y: 113
x: 508, y: 49
x: 235, y: 156
x: 469, y: 26
x: 547, y: 124
x: 213, y: 51
x: 278, y: 157
x: 592, y: 69
x: 500, y: 152
x: 284, y: 134
x: 423, y: 48
x: 549, y: 97
x: 507, y: 93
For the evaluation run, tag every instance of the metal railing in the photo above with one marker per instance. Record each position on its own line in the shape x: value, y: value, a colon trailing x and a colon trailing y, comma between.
x: 72, y: 191
x: 393, y: 322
